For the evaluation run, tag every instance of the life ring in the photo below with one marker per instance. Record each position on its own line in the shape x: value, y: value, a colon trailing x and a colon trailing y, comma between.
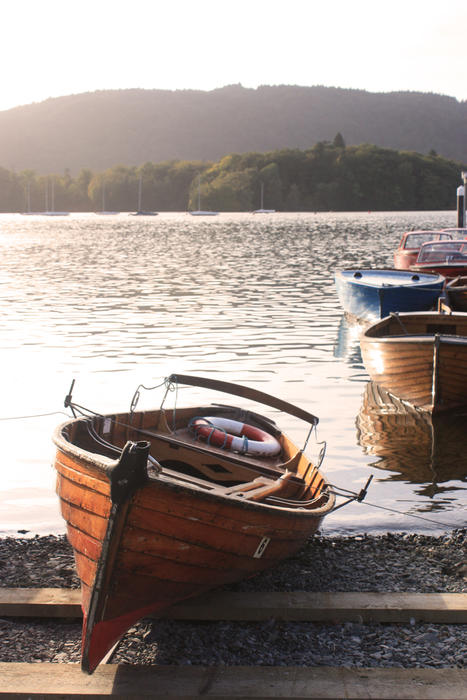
x: 234, y: 435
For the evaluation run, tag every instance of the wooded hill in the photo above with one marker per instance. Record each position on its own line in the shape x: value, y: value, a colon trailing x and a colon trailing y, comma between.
x: 329, y: 176
x: 102, y: 129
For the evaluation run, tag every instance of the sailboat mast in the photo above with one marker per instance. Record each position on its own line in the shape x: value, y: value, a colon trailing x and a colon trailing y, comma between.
x: 140, y: 192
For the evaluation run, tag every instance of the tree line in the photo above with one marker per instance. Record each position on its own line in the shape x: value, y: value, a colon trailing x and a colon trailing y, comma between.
x: 330, y: 176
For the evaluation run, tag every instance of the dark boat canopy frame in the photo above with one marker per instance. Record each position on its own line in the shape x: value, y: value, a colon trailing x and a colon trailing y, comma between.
x: 246, y: 393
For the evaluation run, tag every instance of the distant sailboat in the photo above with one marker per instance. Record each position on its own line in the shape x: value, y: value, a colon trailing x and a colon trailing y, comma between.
x: 140, y: 211
x: 28, y: 202
x: 104, y: 212
x: 52, y: 212
x: 199, y: 211
x: 261, y: 210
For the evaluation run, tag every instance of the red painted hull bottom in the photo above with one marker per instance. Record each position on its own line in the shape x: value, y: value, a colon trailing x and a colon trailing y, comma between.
x: 105, y: 634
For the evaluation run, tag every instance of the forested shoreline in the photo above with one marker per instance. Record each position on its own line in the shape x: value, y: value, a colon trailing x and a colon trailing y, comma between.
x: 330, y: 176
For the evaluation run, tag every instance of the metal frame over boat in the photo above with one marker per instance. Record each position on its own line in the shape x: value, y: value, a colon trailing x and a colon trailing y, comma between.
x: 157, y: 513
x: 419, y: 357
x: 372, y: 294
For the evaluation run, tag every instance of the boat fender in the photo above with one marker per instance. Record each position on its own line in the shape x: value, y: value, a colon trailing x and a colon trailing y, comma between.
x: 236, y: 436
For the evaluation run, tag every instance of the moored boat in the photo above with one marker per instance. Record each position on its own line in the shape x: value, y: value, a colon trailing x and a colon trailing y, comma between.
x: 199, y: 211
x: 372, y: 294
x: 163, y: 505
x: 448, y: 258
x: 419, y: 357
x: 410, y: 243
x: 140, y: 211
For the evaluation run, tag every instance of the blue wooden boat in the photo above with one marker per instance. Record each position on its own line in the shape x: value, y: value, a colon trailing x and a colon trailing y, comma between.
x: 372, y: 294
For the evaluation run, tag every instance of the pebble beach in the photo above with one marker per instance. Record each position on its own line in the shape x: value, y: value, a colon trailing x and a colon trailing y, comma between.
x: 393, y: 562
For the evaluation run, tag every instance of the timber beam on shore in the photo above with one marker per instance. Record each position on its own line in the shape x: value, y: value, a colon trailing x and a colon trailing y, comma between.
x: 298, y: 606
x: 53, y: 680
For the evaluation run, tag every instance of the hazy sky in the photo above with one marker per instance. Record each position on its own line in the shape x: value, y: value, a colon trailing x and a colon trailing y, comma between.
x: 50, y: 48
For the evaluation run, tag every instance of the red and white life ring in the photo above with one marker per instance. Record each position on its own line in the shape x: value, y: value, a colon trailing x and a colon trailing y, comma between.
x: 236, y: 436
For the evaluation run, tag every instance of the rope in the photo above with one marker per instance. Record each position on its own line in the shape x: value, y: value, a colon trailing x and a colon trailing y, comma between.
x: 36, y: 415
x: 410, y: 515
x: 394, y: 314
x: 136, y: 395
x: 390, y: 510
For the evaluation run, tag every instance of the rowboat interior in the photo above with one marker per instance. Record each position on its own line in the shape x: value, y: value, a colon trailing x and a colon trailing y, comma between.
x: 459, y: 282
x: 176, y: 454
x: 456, y: 292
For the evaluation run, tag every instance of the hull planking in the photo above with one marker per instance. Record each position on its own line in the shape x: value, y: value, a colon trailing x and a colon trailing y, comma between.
x: 420, y: 358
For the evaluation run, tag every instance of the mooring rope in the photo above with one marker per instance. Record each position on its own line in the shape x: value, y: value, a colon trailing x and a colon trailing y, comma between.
x: 36, y: 415
x: 411, y: 515
x: 390, y: 510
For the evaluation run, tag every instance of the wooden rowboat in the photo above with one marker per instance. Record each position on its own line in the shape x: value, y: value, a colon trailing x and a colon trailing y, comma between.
x: 419, y: 357
x: 456, y: 291
x: 159, y: 508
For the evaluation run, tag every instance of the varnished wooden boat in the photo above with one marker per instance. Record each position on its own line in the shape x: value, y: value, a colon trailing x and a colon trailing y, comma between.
x: 456, y: 291
x: 420, y: 358
x: 157, y: 510
x: 414, y: 445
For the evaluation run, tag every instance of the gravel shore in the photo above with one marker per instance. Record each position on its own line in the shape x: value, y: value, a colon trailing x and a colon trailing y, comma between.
x: 391, y: 562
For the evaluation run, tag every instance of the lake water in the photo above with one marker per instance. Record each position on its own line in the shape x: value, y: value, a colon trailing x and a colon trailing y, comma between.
x: 118, y: 301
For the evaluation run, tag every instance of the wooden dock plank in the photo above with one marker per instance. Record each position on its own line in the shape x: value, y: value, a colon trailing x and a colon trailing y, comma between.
x: 40, y: 602
x: 300, y: 606
x: 292, y: 606
x: 47, y: 680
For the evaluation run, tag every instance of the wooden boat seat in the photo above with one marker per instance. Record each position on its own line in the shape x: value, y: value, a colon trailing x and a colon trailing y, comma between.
x: 254, y: 490
x: 260, y: 487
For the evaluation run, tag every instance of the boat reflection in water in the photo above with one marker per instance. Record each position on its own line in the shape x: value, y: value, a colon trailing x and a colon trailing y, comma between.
x: 417, y: 446
x: 347, y: 345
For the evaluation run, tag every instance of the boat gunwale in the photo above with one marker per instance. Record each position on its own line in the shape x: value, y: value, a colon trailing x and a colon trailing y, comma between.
x: 455, y: 316
x: 418, y: 338
x: 438, y: 279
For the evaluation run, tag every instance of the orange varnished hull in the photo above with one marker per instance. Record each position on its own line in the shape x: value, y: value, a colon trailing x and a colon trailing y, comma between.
x: 173, y: 534
x: 419, y: 357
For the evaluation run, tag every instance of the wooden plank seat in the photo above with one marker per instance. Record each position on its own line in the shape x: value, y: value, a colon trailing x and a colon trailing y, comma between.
x: 259, y: 488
